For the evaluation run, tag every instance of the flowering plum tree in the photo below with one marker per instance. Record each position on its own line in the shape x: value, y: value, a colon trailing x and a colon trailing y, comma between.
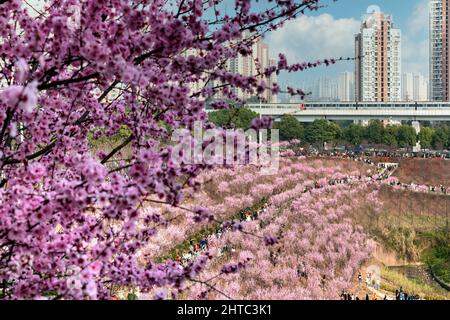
x: 246, y: 187
x: 71, y: 220
x: 314, y: 256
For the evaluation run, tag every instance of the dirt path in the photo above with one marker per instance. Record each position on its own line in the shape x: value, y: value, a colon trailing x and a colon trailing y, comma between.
x: 361, y: 289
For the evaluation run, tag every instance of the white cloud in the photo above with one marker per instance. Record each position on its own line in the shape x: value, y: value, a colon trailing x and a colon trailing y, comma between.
x: 415, y: 45
x: 309, y: 38
x: 415, y: 55
x: 420, y: 17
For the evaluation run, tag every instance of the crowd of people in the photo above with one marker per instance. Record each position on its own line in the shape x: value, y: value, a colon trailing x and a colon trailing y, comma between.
x: 345, y: 295
x: 378, y: 153
x: 406, y: 154
x: 355, y: 156
x: 385, y: 170
x: 440, y: 189
x: 197, y: 248
x: 372, y: 281
x: 401, y: 295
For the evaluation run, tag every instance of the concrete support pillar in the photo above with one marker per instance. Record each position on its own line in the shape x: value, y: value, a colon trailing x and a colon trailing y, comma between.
x: 416, y: 126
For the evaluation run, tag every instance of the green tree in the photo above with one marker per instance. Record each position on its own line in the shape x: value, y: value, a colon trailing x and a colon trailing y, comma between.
x: 426, y: 137
x: 336, y: 131
x: 441, y: 137
x: 406, y: 136
x: 390, y: 136
x: 353, y: 134
x: 290, y: 128
x: 374, y: 132
x: 320, y: 131
x: 239, y: 117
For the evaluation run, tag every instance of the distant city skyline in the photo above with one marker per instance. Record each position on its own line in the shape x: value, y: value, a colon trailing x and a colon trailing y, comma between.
x: 341, y: 87
x: 251, y: 65
x: 415, y: 87
x: 330, y: 32
x: 378, y: 75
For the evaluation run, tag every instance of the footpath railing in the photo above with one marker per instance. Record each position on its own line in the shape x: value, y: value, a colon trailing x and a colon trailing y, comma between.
x: 438, y: 280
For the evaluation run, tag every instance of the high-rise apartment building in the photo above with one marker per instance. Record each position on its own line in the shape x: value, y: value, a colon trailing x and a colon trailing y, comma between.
x: 273, y: 98
x: 239, y: 65
x: 408, y: 87
x: 378, y: 63
x: 420, y: 88
x: 260, y: 61
x: 320, y: 89
x: 198, y: 85
x: 346, y: 86
x: 414, y: 87
x: 323, y: 89
x: 439, y: 50
x: 253, y: 65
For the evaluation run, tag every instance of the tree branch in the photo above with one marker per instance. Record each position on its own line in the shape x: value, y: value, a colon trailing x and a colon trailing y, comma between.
x: 41, y: 152
x: 50, y: 85
x: 117, y: 149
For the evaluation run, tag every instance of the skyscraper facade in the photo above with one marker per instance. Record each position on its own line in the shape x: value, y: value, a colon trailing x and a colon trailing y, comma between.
x: 378, y: 63
x: 408, y: 86
x: 420, y: 88
x: 346, y: 86
x: 239, y: 65
x: 414, y: 87
x: 322, y: 89
x: 253, y: 65
x: 439, y: 50
x: 273, y: 98
x: 260, y: 62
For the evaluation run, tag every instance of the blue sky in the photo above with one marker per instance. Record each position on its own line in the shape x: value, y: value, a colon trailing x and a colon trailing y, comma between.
x: 330, y: 31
